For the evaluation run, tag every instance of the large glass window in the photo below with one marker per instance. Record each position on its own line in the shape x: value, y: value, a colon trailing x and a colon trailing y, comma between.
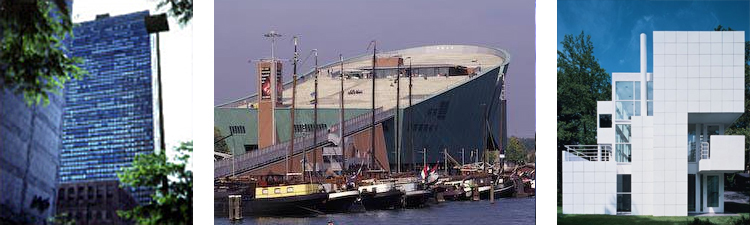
x: 712, y: 187
x: 622, y: 138
x: 623, y: 193
x: 627, y: 97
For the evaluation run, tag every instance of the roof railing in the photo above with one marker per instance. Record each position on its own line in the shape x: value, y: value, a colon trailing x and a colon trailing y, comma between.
x: 600, y: 152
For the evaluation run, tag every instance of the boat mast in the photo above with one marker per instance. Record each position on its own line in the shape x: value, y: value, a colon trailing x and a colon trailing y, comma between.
x: 484, y: 137
x: 291, y: 111
x: 341, y: 116
x: 315, y: 105
x: 315, y: 116
x: 372, y: 127
x: 411, y: 137
x: 396, y: 121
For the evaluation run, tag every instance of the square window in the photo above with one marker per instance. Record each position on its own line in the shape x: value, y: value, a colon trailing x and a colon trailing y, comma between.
x: 605, y: 120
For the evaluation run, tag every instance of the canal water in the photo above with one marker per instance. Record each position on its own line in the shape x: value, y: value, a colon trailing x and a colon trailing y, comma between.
x: 504, y: 211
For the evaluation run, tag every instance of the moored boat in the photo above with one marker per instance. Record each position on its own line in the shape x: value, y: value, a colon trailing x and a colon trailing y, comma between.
x: 285, y: 200
x: 415, y: 194
x: 380, y: 196
x: 339, y: 202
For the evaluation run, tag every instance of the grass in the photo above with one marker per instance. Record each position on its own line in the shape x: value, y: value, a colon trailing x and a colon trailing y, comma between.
x: 630, y: 220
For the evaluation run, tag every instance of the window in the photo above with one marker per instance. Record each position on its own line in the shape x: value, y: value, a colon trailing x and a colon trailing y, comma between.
x: 623, y: 193
x: 277, y: 191
x: 623, y: 147
x: 712, y: 189
x: 236, y: 129
x: 627, y: 96
x: 265, y: 192
x: 289, y: 189
x: 605, y: 120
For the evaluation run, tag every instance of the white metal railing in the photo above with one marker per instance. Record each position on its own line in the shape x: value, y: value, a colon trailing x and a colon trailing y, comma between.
x: 705, y: 150
x: 601, y: 152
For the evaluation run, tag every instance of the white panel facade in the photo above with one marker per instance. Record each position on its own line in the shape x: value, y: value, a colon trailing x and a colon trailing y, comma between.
x: 589, y: 187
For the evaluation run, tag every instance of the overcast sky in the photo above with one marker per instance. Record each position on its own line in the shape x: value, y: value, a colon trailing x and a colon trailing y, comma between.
x: 176, y: 54
x: 346, y: 27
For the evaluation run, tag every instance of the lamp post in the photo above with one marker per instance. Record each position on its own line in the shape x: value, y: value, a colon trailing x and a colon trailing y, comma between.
x: 156, y: 24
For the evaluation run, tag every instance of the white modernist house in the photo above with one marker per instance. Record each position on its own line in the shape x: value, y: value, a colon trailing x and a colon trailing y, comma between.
x: 661, y: 148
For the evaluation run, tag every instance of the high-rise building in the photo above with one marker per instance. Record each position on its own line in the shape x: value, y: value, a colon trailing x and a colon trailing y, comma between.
x: 109, y: 116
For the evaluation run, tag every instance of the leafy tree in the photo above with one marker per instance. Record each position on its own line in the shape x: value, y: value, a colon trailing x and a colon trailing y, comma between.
x: 182, y: 10
x: 515, y: 152
x: 742, y: 125
x: 580, y: 83
x: 220, y: 143
x: 33, y: 61
x: 173, y: 201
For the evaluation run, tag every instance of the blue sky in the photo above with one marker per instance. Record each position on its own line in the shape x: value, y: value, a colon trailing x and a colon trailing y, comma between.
x: 615, y: 26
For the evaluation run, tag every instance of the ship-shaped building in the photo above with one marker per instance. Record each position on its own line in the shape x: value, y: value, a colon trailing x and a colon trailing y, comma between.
x: 428, y: 101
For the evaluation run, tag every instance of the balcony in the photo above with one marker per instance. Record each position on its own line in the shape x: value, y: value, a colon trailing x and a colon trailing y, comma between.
x: 725, y: 153
x: 602, y: 152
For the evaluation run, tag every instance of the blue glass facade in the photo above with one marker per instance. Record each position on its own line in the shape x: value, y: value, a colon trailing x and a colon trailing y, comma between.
x: 109, y: 116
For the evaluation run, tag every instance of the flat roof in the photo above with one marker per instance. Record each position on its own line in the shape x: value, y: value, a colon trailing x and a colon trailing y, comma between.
x: 385, y: 88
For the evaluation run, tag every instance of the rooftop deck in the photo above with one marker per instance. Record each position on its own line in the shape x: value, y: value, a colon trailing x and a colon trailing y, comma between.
x: 385, y: 88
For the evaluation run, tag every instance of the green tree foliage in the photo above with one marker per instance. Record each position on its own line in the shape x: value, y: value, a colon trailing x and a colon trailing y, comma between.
x: 742, y: 125
x: 33, y: 61
x: 580, y: 83
x: 220, y: 142
x: 515, y: 152
x: 173, y: 201
x: 182, y: 10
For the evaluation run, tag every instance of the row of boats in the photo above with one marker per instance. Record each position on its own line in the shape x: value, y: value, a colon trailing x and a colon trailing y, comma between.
x: 277, y: 196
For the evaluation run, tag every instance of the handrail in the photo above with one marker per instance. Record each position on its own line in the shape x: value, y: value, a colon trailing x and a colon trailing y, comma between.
x: 261, y: 157
x: 600, y: 152
x: 705, y: 150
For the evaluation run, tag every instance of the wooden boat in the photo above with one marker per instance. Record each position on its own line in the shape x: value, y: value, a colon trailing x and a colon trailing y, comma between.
x: 380, y: 196
x: 285, y: 200
x: 340, y: 202
x: 415, y: 195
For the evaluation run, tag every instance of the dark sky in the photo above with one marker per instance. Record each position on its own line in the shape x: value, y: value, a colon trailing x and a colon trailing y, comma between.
x: 346, y: 27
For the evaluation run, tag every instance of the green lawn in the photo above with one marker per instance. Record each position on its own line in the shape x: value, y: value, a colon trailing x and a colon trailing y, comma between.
x: 632, y: 220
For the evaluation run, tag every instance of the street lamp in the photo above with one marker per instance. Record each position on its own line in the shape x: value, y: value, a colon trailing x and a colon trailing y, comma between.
x: 156, y: 24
